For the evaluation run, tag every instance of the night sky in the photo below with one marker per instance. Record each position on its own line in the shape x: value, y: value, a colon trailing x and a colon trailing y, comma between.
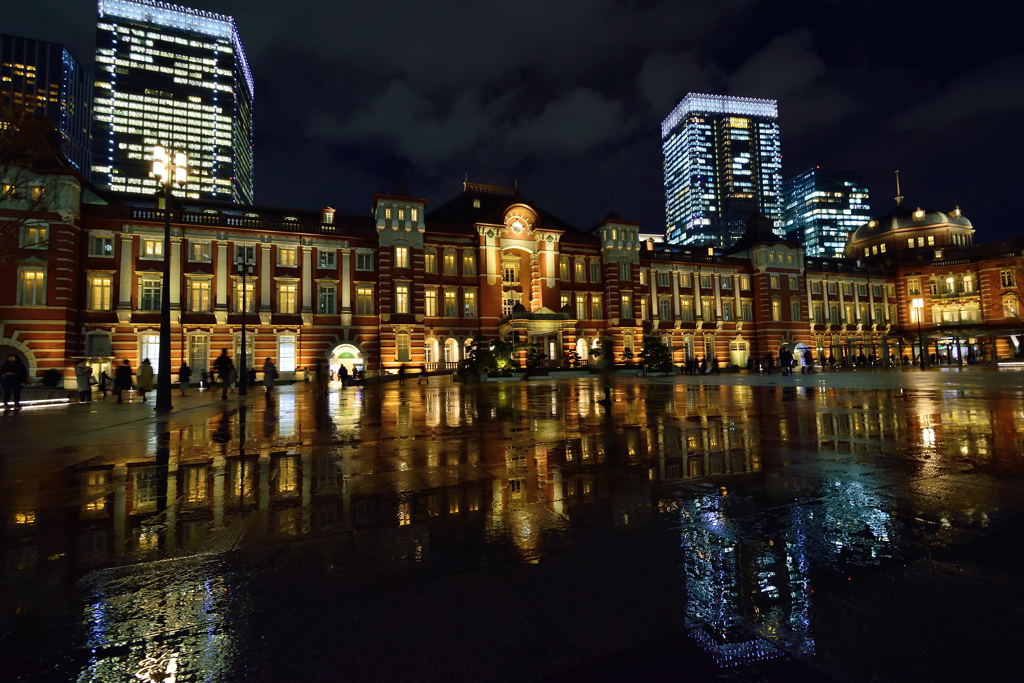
x: 567, y: 96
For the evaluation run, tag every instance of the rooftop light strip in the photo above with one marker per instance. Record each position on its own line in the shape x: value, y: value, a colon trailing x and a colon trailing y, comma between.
x: 171, y: 16
x: 719, y: 104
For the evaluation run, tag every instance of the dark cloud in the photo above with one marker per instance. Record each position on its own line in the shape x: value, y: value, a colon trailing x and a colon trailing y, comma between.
x: 568, y: 96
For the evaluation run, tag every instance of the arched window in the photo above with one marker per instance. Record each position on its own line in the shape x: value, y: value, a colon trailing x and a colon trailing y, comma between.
x: 430, y: 351
x: 451, y: 350
x: 402, y: 354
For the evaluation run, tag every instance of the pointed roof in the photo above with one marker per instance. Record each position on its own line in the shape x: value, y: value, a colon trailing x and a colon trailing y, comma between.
x: 759, y: 230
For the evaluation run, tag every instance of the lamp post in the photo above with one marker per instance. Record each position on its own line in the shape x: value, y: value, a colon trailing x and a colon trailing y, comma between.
x: 918, y: 305
x: 244, y: 265
x: 169, y: 168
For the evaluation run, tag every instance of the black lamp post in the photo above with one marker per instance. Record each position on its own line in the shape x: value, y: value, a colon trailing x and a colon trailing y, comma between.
x: 169, y: 168
x: 244, y: 265
x: 918, y: 305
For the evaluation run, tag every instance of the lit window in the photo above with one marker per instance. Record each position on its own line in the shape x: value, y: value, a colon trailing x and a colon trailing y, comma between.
x: 401, y: 257
x: 468, y: 263
x: 286, y: 353
x: 34, y: 236
x: 776, y: 309
x: 101, y: 289
x: 402, y: 347
x: 596, y: 310
x: 101, y: 246
x: 364, y: 299
x: 387, y: 212
x: 625, y: 272
x: 402, y: 297
x: 248, y: 295
x: 595, y: 271
x: 199, y: 295
x: 287, y: 295
x: 910, y: 242
x: 451, y: 305
x: 449, y: 262
x: 430, y: 303
x: 663, y: 278
x: 626, y: 304
x: 414, y: 215
x: 430, y: 261
x: 287, y: 256
x: 1007, y: 278
x: 152, y: 248
x: 469, y: 304
x: 200, y: 252
x: 774, y: 281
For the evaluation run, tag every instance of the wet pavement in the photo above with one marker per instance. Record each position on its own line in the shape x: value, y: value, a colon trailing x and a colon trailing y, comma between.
x: 845, y: 527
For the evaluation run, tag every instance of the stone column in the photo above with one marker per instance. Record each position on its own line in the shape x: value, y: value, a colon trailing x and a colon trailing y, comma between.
x: 738, y: 314
x: 126, y: 279
x: 718, y: 295
x: 175, y: 297
x: 307, y: 285
x: 346, y: 287
x: 698, y: 309
x: 265, y: 277
x: 675, y: 294
x: 653, y: 282
x: 223, y: 270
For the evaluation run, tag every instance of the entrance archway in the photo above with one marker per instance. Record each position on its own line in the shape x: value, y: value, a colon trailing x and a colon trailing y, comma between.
x: 451, y: 350
x: 347, y: 355
x: 582, y: 350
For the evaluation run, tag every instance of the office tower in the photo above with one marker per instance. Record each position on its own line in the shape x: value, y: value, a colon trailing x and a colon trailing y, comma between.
x: 178, y: 77
x: 722, y: 163
x: 822, y: 207
x: 43, y: 78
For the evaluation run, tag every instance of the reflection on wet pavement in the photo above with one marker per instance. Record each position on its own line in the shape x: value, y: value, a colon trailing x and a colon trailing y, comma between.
x: 297, y: 538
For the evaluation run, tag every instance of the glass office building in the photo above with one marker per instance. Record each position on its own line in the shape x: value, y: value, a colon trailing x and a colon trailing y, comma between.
x: 822, y: 207
x: 43, y: 78
x: 722, y: 163
x: 178, y: 77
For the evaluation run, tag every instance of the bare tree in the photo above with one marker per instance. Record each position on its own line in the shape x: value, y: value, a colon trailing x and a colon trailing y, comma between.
x: 31, y: 161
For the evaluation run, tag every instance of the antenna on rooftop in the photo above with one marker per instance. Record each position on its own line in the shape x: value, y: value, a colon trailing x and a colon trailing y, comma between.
x: 899, y: 195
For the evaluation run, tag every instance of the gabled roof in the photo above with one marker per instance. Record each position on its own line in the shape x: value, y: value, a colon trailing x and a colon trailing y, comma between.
x: 759, y: 230
x: 493, y: 200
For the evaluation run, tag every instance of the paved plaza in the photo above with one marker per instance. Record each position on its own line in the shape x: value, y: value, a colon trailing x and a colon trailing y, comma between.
x: 841, y: 526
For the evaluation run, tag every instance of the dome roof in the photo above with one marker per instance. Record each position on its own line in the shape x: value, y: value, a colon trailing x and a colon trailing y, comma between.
x: 907, y: 217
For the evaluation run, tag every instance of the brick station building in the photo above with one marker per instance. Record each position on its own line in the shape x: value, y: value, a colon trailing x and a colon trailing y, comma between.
x: 408, y: 283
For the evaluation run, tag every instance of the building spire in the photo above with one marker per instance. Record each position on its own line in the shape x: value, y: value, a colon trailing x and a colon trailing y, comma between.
x: 899, y: 195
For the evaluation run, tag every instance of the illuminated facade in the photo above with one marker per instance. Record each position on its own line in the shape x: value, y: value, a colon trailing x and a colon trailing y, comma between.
x: 406, y: 286
x: 722, y: 163
x: 44, y: 78
x: 177, y: 77
x: 822, y: 207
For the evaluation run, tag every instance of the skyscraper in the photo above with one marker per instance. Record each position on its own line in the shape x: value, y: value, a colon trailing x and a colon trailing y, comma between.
x: 822, y: 206
x: 44, y: 78
x: 722, y: 163
x: 178, y: 77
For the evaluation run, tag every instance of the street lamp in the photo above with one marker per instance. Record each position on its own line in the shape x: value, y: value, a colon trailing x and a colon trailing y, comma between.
x: 245, y: 264
x: 917, y: 304
x: 169, y: 168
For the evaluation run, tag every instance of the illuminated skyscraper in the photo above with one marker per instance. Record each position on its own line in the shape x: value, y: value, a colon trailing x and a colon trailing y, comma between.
x: 45, y: 79
x: 822, y: 207
x: 722, y: 163
x: 178, y: 77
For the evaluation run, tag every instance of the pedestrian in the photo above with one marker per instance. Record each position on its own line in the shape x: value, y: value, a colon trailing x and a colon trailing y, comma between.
x: 84, y: 381
x: 122, y: 379
x: 305, y: 374
x: 343, y: 376
x: 204, y: 380
x: 269, y: 375
x: 250, y: 377
x: 144, y: 378
x: 808, y: 362
x: 225, y: 372
x: 715, y: 368
x: 184, y: 375
x: 13, y: 374
x: 423, y: 374
x: 704, y: 365
x: 401, y: 374
x: 104, y: 383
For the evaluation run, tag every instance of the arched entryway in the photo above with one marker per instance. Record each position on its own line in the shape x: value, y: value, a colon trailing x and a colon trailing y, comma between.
x: 582, y: 349
x: 348, y: 355
x: 21, y: 352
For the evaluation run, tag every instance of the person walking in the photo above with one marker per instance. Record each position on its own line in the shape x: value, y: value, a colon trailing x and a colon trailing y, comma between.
x: 184, y: 375
x: 401, y: 374
x: 13, y: 374
x: 343, y: 376
x: 269, y: 375
x: 122, y: 379
x: 423, y: 375
x: 225, y: 372
x: 715, y: 368
x: 808, y: 363
x: 84, y: 382
x: 144, y: 378
x: 104, y: 383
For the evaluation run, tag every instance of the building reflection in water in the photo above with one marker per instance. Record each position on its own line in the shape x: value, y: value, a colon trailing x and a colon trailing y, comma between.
x: 513, y: 471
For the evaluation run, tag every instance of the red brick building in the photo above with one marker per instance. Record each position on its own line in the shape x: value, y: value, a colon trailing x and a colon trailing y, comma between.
x: 406, y: 283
